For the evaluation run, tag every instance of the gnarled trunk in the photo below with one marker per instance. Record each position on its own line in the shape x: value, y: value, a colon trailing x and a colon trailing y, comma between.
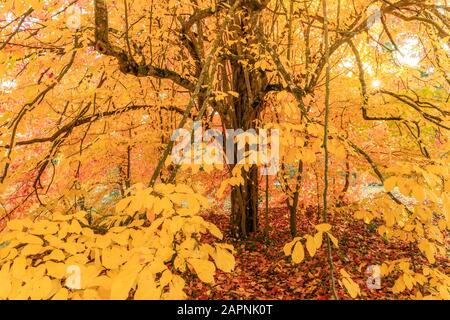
x: 244, y: 204
x: 240, y: 111
x: 251, y: 87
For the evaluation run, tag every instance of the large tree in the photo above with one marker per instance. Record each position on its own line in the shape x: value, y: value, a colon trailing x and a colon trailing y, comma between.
x: 223, y: 56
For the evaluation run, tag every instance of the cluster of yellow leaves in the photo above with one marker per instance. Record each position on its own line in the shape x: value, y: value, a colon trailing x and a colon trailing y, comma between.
x: 164, y: 200
x: 303, y: 142
x: 423, y: 183
x: 289, y: 108
x: 422, y: 219
x: 428, y: 284
x: 130, y: 260
x: 200, y: 156
x: 299, y: 142
x: 351, y: 286
x: 235, y: 180
x: 313, y: 243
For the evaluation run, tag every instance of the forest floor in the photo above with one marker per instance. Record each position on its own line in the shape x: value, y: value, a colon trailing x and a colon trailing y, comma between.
x: 263, y: 272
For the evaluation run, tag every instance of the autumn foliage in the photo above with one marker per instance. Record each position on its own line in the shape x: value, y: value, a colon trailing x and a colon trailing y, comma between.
x: 93, y: 204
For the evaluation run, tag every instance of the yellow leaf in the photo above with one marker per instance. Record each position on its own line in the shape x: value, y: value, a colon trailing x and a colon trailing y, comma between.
x: 333, y: 240
x: 112, y: 258
x: 91, y: 294
x: 298, y: 254
x: 61, y: 217
x: 287, y: 249
x: 147, y: 288
x: 62, y: 294
x: 56, y: 270
x: 222, y: 188
x: 103, y: 241
x: 122, y: 204
x: 404, y: 186
x: 318, y: 239
x: 102, y: 282
x: 121, y: 238
x: 15, y: 225
x: 193, y: 207
x: 174, y: 294
x: 31, y: 239
x: 446, y: 205
x: 442, y: 225
x: 122, y: 284
x: 324, y: 227
x: 45, y: 228
x: 344, y: 273
x: 282, y: 96
x: 408, y: 281
x: 418, y: 192
x: 18, y: 267
x: 75, y: 227
x: 224, y: 260
x: 352, y: 287
x: 165, y: 278
x: 87, y: 232
x: 310, y: 245
x: 32, y: 249
x: 205, y: 269
x: 399, y: 285
x: 389, y: 184
x: 42, y: 289
x: 165, y: 188
x: 5, y: 281
x: 182, y: 188
x: 179, y: 263
x: 428, y: 249
x: 161, y: 205
x: 444, y: 291
x: 215, y: 231
x: 74, y: 247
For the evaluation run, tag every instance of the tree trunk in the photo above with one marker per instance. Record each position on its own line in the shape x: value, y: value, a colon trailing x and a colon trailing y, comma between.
x: 294, y: 205
x: 244, y: 198
x: 244, y: 205
x: 250, y: 83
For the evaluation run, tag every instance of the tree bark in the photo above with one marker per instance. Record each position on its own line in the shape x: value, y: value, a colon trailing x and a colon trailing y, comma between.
x: 251, y: 86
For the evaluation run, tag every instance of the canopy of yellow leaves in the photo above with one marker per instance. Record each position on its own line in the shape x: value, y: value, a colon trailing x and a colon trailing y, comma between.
x: 68, y: 257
